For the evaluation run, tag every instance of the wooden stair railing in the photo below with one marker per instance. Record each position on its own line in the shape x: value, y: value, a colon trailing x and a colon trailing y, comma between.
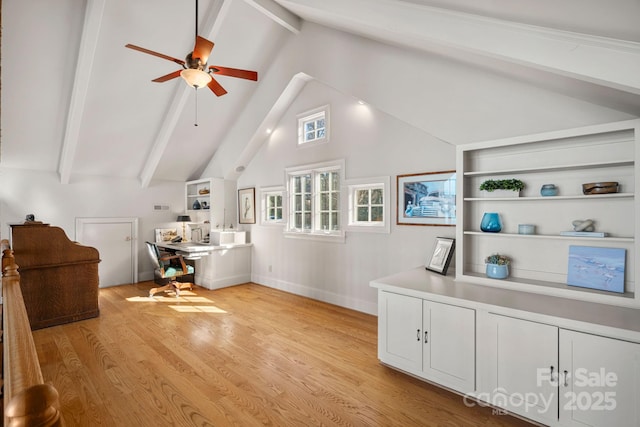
x: 28, y: 401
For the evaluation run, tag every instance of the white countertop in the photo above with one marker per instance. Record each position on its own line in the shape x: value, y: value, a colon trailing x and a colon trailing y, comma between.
x: 422, y: 283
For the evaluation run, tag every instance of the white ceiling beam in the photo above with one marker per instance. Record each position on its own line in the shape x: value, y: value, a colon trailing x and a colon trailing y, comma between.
x: 278, y: 14
x: 209, y: 30
x: 288, y: 95
x: 88, y: 42
x: 603, y: 61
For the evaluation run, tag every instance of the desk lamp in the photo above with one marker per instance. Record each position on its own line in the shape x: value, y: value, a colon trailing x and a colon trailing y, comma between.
x: 184, y: 219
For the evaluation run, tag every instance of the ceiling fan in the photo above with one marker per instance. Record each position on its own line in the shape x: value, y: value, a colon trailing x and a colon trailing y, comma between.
x: 194, y: 67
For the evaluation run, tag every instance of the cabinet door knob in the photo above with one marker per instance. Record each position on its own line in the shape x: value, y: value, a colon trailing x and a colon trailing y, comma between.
x: 418, y: 334
x: 566, y: 378
x: 426, y: 337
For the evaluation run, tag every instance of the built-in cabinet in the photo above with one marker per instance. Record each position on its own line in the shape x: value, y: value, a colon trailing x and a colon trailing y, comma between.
x: 558, y: 354
x: 556, y: 361
x: 211, y: 204
x: 432, y: 340
x: 554, y: 375
x: 567, y: 159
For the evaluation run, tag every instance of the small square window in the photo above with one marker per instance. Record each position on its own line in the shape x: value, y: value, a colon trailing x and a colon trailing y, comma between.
x: 369, y: 205
x: 313, y: 126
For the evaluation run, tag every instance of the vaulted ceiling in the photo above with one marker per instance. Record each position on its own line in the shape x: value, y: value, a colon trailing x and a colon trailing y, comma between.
x: 75, y: 101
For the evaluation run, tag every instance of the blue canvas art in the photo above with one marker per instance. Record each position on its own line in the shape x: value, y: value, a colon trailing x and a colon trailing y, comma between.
x: 596, y: 268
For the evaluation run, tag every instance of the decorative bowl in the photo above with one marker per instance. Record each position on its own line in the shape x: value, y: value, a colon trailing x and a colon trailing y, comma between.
x: 600, y: 188
x: 203, y: 191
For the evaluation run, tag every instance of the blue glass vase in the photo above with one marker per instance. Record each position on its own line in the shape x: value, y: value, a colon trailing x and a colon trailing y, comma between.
x: 491, y: 223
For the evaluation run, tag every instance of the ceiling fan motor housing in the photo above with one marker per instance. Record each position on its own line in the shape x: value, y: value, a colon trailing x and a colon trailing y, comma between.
x: 194, y: 63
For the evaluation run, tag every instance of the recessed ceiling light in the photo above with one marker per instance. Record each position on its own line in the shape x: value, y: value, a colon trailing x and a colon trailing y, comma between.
x: 269, y: 131
x: 361, y: 102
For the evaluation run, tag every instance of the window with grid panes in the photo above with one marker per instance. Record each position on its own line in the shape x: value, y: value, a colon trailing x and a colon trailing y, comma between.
x: 369, y: 205
x: 314, y: 199
x: 313, y: 126
x: 274, y: 207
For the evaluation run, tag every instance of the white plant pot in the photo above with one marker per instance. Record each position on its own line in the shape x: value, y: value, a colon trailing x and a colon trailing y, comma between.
x: 501, y: 193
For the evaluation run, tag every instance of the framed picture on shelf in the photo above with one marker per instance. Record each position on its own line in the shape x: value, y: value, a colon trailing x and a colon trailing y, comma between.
x: 596, y: 268
x: 247, y: 206
x: 442, y: 254
x: 427, y: 199
x: 165, y: 234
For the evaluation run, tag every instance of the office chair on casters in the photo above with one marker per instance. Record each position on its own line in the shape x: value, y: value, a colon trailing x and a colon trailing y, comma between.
x: 164, y: 269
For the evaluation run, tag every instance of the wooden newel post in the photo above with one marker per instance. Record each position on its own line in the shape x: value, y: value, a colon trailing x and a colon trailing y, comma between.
x: 35, y: 406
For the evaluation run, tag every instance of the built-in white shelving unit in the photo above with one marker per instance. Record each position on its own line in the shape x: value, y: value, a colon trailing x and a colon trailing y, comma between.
x: 568, y: 159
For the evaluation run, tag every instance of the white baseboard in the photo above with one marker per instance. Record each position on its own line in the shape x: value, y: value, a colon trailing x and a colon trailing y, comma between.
x: 211, y: 283
x: 318, y: 294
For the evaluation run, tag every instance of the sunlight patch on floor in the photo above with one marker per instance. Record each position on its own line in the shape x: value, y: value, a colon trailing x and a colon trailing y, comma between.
x: 197, y: 309
x: 187, y: 302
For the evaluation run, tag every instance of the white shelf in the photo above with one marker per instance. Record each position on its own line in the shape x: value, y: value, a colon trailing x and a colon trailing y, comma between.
x: 547, y: 198
x: 567, y: 158
x: 554, y: 288
x: 576, y: 166
x: 549, y: 236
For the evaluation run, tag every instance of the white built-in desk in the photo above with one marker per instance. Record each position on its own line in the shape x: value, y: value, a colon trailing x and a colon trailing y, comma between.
x: 541, y: 357
x: 216, y: 266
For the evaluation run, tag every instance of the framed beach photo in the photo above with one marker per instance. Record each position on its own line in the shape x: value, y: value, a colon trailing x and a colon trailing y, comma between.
x: 247, y: 206
x: 427, y: 199
x: 442, y: 254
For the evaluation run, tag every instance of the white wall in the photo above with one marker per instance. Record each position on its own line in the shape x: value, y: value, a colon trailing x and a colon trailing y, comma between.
x: 40, y: 193
x: 372, y: 144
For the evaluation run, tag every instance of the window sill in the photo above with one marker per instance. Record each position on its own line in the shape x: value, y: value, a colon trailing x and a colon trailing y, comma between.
x: 338, y: 237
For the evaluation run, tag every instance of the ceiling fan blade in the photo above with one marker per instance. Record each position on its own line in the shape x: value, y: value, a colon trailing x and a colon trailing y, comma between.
x: 167, y: 77
x: 159, y: 55
x: 202, y: 49
x: 234, y: 72
x: 216, y: 88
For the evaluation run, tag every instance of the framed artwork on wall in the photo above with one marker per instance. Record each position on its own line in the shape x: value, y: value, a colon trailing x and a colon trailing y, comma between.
x: 596, y: 268
x: 427, y: 199
x: 247, y: 206
x: 442, y: 254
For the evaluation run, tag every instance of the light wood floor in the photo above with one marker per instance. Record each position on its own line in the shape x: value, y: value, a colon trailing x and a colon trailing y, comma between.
x: 246, y: 355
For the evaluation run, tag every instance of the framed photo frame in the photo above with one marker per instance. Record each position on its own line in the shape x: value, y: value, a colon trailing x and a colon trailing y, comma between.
x: 426, y: 199
x: 442, y: 254
x: 247, y: 206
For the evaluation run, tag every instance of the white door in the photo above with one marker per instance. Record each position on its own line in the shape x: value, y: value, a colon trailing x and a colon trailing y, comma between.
x: 400, y: 331
x: 449, y: 345
x: 524, y: 367
x: 600, y: 385
x: 115, y: 239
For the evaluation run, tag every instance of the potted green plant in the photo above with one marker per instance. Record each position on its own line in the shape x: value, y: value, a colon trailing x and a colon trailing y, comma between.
x: 502, y: 187
x: 497, y: 266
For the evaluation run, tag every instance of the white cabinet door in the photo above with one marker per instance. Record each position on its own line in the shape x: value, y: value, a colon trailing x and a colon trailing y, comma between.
x: 400, y: 331
x: 523, y: 367
x: 602, y: 383
x: 449, y: 345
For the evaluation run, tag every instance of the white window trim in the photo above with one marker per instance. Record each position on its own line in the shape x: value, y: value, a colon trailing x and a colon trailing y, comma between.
x: 306, y: 116
x: 266, y: 191
x: 349, y: 200
x: 318, y: 235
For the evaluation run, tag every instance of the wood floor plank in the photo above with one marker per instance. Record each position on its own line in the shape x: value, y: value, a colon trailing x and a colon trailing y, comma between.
x: 246, y: 355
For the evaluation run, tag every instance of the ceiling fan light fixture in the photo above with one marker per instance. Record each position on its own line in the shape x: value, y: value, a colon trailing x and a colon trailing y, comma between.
x: 195, y: 78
